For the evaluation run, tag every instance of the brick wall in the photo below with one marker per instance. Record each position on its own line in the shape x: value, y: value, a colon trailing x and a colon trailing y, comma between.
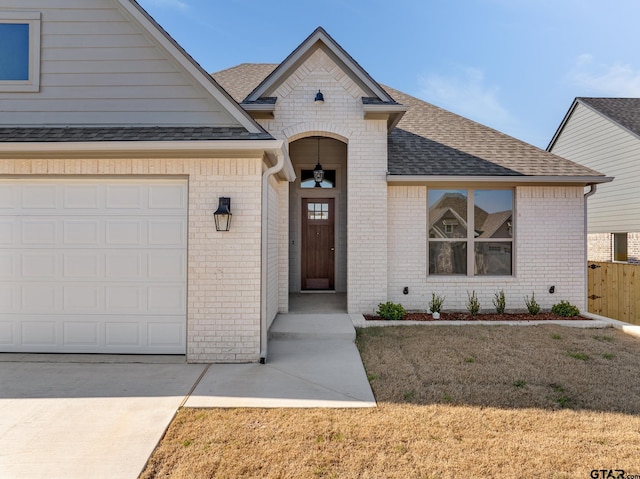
x: 548, y: 251
x: 599, y: 247
x: 223, y: 270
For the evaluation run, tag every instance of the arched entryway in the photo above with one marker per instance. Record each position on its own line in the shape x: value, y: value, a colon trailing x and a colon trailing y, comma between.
x: 318, y: 216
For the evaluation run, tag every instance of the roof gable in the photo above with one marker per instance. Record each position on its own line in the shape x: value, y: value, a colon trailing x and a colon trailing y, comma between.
x: 108, y: 63
x: 624, y: 112
x: 319, y: 39
x: 189, y: 64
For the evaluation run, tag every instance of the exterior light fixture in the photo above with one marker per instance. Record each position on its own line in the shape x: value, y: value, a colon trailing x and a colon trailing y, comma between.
x: 318, y: 172
x: 319, y: 98
x: 222, y: 215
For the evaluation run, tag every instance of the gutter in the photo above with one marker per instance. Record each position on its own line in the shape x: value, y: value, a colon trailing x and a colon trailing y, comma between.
x: 510, y: 179
x: 592, y: 190
x: 280, y: 164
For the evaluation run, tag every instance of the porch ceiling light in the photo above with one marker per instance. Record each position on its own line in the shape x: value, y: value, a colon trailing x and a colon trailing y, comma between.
x: 318, y: 172
x: 222, y: 215
x: 319, y: 98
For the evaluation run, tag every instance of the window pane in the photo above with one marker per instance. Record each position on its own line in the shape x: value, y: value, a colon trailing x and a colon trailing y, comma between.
x: 317, y: 211
x: 307, y: 181
x: 493, y: 258
x: 447, y: 214
x: 493, y: 214
x: 447, y: 257
x: 14, y: 51
x: 620, y: 247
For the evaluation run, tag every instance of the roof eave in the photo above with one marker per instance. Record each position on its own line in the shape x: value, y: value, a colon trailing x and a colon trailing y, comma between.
x: 393, y: 113
x: 516, y: 180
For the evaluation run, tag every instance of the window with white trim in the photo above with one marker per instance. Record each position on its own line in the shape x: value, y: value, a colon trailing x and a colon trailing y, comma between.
x: 19, y: 51
x: 470, y: 232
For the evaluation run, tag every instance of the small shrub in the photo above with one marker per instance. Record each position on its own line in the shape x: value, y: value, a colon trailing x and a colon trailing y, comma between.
x: 473, y: 305
x: 500, y: 302
x: 435, y: 305
x: 532, y: 305
x: 565, y: 308
x: 391, y: 311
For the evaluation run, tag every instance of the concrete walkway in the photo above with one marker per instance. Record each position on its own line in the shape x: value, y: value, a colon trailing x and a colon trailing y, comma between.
x: 312, y: 362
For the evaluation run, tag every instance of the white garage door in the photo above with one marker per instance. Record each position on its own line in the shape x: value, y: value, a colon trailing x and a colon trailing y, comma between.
x: 93, y: 266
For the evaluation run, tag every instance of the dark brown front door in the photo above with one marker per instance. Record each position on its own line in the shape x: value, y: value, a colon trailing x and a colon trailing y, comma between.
x: 318, y: 244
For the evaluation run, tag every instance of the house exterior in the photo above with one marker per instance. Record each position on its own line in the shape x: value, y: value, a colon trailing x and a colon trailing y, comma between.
x: 604, y: 133
x: 115, y: 147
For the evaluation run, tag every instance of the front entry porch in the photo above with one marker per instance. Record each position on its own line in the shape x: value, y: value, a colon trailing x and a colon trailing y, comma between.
x: 314, y: 303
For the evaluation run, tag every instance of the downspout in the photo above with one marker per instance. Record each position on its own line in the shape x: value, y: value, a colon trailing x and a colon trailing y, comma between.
x: 592, y: 190
x: 265, y: 248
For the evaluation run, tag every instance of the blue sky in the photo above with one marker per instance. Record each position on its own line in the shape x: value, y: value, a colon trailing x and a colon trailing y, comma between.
x: 514, y: 65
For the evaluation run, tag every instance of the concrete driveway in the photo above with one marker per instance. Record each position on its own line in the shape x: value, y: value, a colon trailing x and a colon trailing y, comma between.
x: 72, y: 420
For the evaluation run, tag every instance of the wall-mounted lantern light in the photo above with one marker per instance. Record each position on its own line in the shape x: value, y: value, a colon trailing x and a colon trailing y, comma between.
x: 319, y: 98
x: 222, y: 215
x: 318, y: 172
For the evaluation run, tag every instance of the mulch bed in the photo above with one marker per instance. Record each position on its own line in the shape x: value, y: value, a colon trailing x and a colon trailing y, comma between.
x: 461, y: 316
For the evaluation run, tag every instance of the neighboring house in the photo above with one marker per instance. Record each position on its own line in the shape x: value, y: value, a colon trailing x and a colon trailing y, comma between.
x: 115, y: 147
x: 604, y: 133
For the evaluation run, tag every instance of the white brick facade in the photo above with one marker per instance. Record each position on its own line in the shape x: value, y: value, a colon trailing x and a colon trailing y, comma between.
x: 223, y: 271
x: 341, y: 117
x: 548, y: 251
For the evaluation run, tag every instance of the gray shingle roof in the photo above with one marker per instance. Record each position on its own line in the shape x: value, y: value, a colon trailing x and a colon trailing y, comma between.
x: 624, y: 111
x: 118, y: 133
x: 431, y: 141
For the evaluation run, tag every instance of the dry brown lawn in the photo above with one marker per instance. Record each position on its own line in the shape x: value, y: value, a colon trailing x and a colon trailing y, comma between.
x: 470, y: 401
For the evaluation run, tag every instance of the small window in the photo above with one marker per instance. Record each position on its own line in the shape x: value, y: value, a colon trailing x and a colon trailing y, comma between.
x: 19, y: 51
x: 620, y: 251
x: 307, y: 181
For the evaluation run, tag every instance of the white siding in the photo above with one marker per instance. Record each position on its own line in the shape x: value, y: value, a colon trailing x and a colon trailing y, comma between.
x: 594, y: 141
x: 98, y: 66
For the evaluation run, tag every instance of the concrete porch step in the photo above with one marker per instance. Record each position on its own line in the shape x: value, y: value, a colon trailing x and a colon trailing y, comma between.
x: 312, y: 326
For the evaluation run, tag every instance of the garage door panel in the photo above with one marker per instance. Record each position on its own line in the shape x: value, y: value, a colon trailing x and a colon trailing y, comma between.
x: 93, y: 265
x: 7, y: 336
x: 81, y: 334
x: 126, y: 299
x: 40, y: 232
x: 8, y: 231
x: 39, y: 333
x: 167, y: 197
x: 85, y: 232
x: 166, y: 232
x: 123, y: 196
x: 166, y: 265
x: 81, y: 197
x: 42, y: 196
x: 40, y: 298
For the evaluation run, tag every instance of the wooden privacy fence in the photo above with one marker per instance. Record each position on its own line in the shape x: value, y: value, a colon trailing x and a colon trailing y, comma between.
x: 614, y: 290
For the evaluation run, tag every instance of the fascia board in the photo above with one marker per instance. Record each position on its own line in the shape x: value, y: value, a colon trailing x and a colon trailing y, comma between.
x: 511, y: 180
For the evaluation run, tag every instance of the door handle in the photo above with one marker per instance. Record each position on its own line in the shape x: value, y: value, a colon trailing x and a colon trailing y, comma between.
x: 332, y: 249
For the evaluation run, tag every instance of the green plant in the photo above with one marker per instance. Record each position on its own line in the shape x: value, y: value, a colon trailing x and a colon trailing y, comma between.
x: 500, y: 302
x: 520, y: 383
x: 565, y: 308
x: 469, y: 360
x: 435, y: 305
x: 473, y: 305
x: 532, y: 305
x: 391, y: 311
x: 580, y: 356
